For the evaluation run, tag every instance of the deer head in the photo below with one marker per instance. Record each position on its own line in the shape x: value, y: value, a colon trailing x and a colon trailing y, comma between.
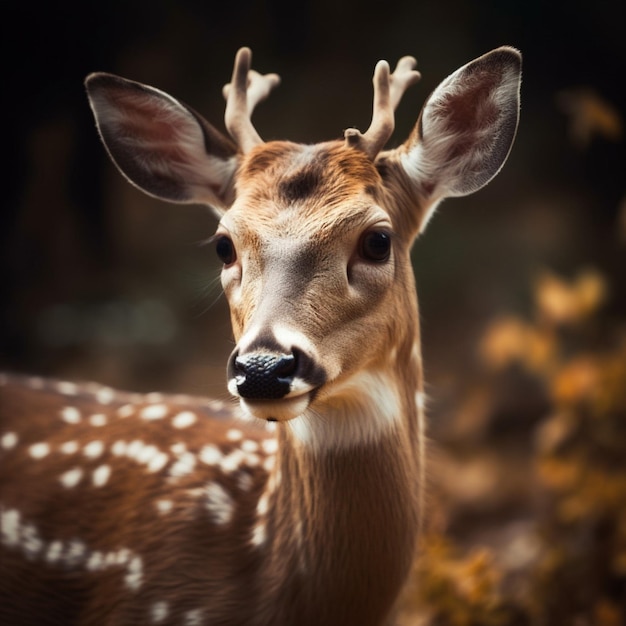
x: 315, y: 239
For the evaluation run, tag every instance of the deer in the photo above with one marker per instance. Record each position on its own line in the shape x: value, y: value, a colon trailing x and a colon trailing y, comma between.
x: 301, y: 501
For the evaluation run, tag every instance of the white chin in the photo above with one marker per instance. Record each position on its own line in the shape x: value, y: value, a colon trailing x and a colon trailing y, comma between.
x: 281, y: 410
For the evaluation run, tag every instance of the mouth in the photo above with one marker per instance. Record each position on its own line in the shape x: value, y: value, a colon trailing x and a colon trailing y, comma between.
x: 279, y: 410
x: 275, y: 385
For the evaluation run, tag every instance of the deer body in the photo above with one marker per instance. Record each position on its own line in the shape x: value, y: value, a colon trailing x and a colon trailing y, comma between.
x: 118, y: 508
x: 230, y: 524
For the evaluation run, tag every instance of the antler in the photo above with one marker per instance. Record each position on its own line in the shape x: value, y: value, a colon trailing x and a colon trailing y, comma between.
x: 388, y: 91
x: 246, y: 89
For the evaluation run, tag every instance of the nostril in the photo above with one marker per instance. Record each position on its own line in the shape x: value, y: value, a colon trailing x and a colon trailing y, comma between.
x: 286, y: 366
x: 264, y: 375
x: 265, y: 363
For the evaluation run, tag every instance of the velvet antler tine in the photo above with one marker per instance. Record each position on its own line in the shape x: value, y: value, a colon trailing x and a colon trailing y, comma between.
x: 388, y: 91
x: 402, y: 78
x: 383, y: 121
x: 246, y: 89
x: 236, y: 117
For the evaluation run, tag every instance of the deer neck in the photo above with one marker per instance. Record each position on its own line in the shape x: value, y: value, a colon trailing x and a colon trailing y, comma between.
x: 339, y: 521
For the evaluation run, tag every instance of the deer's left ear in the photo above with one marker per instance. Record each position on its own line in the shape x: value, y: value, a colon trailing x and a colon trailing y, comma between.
x: 466, y: 129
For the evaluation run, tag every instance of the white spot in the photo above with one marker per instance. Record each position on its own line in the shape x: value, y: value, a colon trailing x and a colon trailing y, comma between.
x: 70, y: 414
x: 232, y: 461
x: 195, y: 493
x: 142, y: 453
x: 154, y: 396
x: 93, y: 449
x: 39, y: 450
x: 122, y: 556
x: 54, y: 552
x: 126, y: 410
x: 134, y: 448
x: 252, y: 460
x: 134, y: 574
x: 10, y: 527
x: 159, y: 612
x: 184, y: 465
x: 259, y: 534
x: 98, y: 419
x: 268, y: 464
x: 210, y: 454
x: 219, y: 503
x: 249, y: 446
x: 164, y: 506
x: 178, y: 448
x: 105, y: 395
x: 216, y: 405
x: 184, y: 419
x: 193, y: 618
x: 158, y: 462
x: 270, y: 446
x: 32, y: 543
x: 154, y: 412
x: 71, y: 478
x: 96, y: 562
x: 69, y: 447
x: 75, y: 554
x: 234, y: 434
x: 67, y: 388
x: 263, y: 505
x: 9, y: 441
x: 244, y: 482
x: 119, y: 448
x: 101, y: 475
x: 146, y: 453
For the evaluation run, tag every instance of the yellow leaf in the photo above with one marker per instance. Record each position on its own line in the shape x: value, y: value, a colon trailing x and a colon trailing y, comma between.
x: 504, y: 341
x: 577, y: 381
x: 560, y: 302
x: 591, y: 291
x: 554, y: 431
x: 559, y: 475
x: 607, y: 614
x: 589, y: 115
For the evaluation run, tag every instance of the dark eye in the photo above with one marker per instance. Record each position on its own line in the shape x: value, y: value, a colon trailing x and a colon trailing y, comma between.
x: 375, y: 246
x: 225, y: 250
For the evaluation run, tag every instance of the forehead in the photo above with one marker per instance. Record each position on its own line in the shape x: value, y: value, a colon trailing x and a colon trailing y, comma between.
x: 327, y: 185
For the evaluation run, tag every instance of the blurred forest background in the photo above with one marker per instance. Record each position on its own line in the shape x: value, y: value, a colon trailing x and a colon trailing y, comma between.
x: 522, y: 286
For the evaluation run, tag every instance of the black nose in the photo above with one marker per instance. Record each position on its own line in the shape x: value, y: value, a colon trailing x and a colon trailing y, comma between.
x: 264, y: 376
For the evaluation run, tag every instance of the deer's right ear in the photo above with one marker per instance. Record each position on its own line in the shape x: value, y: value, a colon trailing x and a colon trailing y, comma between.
x: 160, y: 145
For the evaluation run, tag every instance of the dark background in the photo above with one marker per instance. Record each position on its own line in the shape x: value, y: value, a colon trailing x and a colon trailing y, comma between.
x: 100, y: 282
